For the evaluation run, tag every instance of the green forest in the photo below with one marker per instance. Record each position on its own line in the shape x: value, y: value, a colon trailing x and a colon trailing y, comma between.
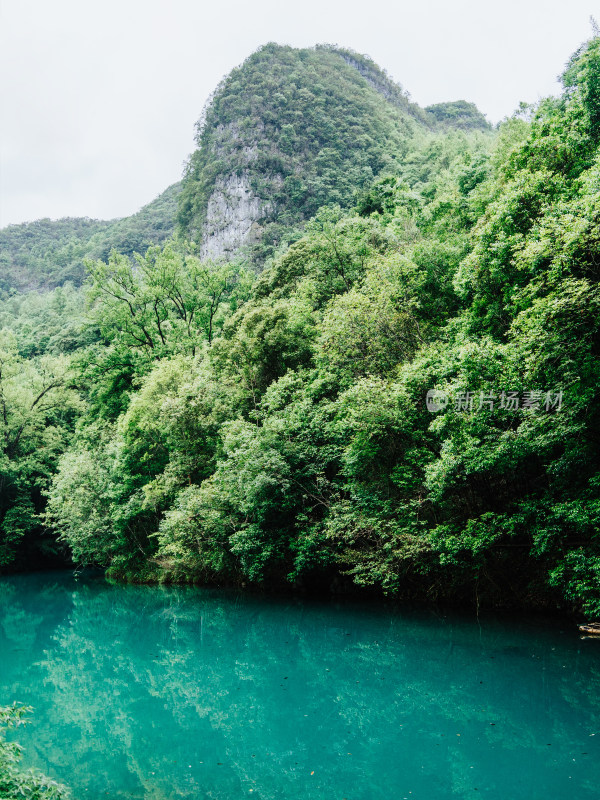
x: 48, y: 253
x: 263, y: 422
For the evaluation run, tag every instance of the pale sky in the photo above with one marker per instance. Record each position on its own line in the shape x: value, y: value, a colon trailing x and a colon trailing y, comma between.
x: 98, y: 100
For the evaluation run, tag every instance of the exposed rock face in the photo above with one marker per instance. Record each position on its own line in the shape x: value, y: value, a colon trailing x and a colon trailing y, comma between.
x: 232, y: 217
x: 233, y: 210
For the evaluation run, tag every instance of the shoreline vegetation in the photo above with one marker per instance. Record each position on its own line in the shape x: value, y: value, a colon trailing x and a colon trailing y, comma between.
x: 17, y: 783
x: 264, y: 420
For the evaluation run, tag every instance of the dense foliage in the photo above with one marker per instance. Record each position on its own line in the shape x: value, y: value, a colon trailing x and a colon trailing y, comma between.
x: 199, y: 424
x: 459, y: 114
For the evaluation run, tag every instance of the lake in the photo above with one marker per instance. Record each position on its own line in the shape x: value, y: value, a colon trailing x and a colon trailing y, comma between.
x: 170, y: 692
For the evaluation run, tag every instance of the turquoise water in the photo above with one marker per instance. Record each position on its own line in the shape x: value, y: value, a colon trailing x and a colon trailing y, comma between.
x: 186, y: 693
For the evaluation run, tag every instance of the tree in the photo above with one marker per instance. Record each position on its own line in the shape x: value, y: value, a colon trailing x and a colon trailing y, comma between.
x: 37, y: 412
x: 164, y: 302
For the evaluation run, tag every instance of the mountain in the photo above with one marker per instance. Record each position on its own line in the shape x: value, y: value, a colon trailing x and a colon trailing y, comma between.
x: 47, y: 253
x: 287, y: 132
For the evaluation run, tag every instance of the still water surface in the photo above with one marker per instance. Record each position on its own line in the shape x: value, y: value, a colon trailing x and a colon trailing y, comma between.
x: 169, y: 693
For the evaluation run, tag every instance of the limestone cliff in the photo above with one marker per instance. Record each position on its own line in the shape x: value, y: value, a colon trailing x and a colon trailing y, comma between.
x: 233, y: 216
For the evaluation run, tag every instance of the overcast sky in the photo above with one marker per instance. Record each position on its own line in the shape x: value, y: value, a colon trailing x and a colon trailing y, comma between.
x: 99, y: 99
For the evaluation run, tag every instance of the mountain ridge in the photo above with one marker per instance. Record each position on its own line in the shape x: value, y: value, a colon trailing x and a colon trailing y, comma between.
x: 46, y: 253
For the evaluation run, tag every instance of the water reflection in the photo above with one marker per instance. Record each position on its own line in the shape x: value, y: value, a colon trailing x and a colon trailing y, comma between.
x: 179, y: 693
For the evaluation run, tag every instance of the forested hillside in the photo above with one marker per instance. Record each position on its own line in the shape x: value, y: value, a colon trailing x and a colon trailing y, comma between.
x: 48, y: 253
x: 199, y: 422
